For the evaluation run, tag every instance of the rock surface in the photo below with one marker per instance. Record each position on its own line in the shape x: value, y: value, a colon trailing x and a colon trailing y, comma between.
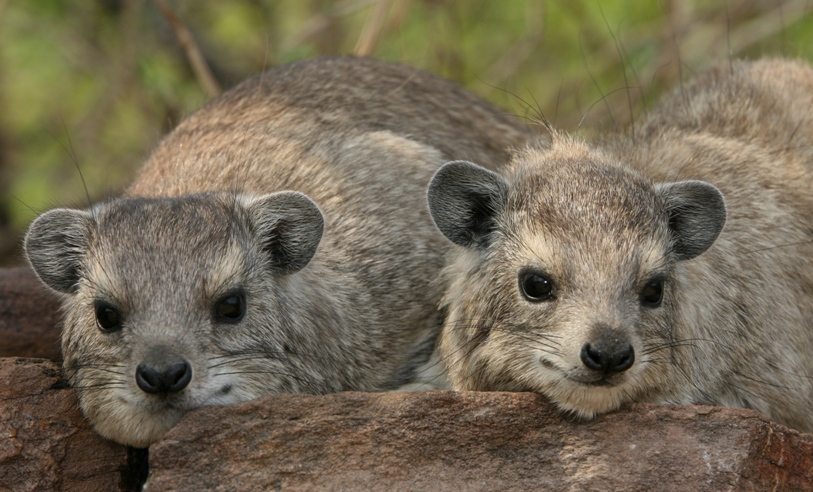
x: 395, y: 441
x: 474, y: 441
x: 45, y: 443
x: 29, y: 316
x: 391, y: 441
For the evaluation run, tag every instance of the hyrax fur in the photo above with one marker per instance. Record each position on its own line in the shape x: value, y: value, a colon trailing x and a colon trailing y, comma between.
x: 216, y: 278
x: 611, y: 273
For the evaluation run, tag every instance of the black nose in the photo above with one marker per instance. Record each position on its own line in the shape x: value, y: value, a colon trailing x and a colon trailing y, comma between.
x: 617, y: 356
x: 170, y: 380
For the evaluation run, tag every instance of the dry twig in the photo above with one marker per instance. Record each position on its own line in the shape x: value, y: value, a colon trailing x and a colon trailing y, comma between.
x: 190, y: 47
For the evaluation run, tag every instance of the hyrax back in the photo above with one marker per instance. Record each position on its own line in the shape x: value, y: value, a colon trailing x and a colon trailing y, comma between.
x: 217, y: 279
x: 675, y: 267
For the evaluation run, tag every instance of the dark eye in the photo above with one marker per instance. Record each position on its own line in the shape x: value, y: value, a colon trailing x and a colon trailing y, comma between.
x: 536, y: 287
x: 231, y: 308
x: 108, y: 318
x: 652, y: 293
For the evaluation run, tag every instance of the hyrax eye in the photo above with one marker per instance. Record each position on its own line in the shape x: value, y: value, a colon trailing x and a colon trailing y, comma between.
x: 652, y: 293
x: 231, y: 308
x: 108, y: 318
x: 536, y: 286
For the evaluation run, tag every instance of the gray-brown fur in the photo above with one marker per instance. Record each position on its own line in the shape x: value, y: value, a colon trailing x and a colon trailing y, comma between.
x: 603, y: 222
x: 208, y: 220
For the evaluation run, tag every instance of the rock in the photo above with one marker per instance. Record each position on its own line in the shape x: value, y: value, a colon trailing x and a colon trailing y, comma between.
x: 45, y: 442
x: 395, y: 441
x: 474, y: 441
x: 29, y: 316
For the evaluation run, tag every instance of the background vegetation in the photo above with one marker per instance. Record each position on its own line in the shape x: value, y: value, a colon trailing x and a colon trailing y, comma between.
x: 93, y: 85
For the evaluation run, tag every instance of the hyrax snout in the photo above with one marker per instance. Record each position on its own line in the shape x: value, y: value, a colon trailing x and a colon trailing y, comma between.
x: 278, y: 240
x: 607, y: 352
x: 163, y: 372
x: 672, y: 266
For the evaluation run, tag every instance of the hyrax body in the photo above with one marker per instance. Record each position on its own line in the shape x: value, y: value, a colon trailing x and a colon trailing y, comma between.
x: 217, y: 279
x: 611, y: 273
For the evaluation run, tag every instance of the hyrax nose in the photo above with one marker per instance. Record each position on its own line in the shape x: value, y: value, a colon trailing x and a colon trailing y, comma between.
x: 608, y: 356
x: 169, y: 380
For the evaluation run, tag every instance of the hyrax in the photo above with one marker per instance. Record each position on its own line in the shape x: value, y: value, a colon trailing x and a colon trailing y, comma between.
x: 278, y: 240
x: 673, y: 267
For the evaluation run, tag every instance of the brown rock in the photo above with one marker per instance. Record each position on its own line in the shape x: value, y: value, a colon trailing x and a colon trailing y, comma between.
x: 474, y: 441
x: 45, y: 443
x: 29, y: 316
x: 396, y: 441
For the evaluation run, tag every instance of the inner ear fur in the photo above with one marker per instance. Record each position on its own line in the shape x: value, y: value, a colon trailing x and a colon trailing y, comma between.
x: 55, y: 245
x: 289, y: 226
x: 464, y: 200
x: 697, y: 215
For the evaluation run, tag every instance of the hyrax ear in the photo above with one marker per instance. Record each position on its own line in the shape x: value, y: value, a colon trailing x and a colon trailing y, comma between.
x: 55, y: 245
x: 464, y: 200
x: 697, y: 214
x: 289, y: 226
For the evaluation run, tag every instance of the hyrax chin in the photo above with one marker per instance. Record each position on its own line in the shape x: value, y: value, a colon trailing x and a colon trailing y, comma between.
x: 612, y: 273
x: 216, y: 278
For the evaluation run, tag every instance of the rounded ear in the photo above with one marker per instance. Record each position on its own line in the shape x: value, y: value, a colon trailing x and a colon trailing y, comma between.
x: 697, y: 214
x: 55, y: 245
x: 289, y: 225
x: 464, y: 200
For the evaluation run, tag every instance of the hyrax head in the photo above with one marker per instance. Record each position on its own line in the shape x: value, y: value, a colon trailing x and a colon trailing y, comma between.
x: 174, y: 303
x: 566, y: 280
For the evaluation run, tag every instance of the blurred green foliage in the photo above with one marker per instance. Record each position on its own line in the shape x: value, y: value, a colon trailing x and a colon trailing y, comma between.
x: 93, y: 85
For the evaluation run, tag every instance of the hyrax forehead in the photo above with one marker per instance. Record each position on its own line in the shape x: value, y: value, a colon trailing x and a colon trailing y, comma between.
x: 584, y: 210
x: 165, y: 244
